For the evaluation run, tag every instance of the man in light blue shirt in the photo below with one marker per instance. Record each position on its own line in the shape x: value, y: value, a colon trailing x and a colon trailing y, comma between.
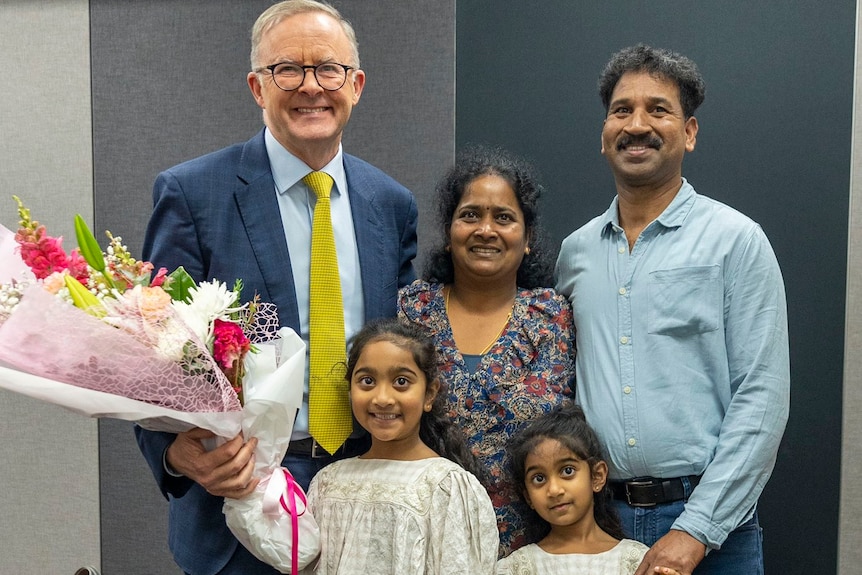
x: 683, y: 360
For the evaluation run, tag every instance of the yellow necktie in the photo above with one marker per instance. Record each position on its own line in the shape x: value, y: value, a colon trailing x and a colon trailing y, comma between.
x: 330, y: 421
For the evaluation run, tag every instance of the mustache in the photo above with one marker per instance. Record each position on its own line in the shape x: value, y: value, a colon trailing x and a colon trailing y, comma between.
x: 648, y: 140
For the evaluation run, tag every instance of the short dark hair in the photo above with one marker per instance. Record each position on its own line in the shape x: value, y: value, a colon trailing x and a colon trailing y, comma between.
x: 656, y: 62
x: 536, y: 269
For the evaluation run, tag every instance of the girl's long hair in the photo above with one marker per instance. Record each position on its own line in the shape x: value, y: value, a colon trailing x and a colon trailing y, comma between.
x: 436, y: 429
x: 568, y: 425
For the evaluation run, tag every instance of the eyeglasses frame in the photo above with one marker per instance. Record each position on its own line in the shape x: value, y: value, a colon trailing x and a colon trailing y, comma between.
x: 305, y: 69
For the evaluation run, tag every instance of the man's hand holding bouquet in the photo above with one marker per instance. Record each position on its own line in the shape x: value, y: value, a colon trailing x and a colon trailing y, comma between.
x: 101, y: 334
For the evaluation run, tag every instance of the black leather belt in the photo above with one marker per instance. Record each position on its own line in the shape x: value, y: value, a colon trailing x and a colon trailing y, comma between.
x: 308, y: 447
x: 650, y: 491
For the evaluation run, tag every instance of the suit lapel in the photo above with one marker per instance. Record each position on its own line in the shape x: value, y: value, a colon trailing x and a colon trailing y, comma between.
x: 369, y: 239
x: 258, y: 208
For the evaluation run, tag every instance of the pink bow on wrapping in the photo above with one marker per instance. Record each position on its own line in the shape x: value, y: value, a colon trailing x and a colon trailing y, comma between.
x: 281, y: 494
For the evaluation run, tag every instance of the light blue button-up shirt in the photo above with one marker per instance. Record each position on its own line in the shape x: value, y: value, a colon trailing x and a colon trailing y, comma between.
x: 296, y: 203
x: 683, y: 361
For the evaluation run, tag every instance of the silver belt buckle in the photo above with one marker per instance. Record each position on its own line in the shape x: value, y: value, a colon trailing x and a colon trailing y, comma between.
x: 314, y: 448
x: 629, y: 495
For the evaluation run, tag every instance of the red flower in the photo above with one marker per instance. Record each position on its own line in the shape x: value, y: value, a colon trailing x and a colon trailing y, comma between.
x: 229, y: 344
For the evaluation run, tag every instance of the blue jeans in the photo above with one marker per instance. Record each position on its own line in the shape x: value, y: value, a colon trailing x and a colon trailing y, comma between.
x: 742, y: 551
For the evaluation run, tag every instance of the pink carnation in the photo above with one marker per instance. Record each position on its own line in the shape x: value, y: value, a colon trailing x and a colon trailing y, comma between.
x: 229, y: 344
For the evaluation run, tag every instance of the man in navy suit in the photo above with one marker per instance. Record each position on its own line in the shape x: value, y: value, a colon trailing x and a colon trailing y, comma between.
x: 244, y: 213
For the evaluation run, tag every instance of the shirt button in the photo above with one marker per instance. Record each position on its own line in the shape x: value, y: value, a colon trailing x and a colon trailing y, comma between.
x: 632, y: 441
x: 624, y: 340
x: 621, y: 250
x: 622, y: 291
x: 627, y: 390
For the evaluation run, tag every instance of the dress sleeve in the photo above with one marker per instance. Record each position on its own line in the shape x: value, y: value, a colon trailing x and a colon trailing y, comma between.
x: 463, y: 535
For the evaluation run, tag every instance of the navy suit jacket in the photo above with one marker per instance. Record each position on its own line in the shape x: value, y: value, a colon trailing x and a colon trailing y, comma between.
x: 218, y: 217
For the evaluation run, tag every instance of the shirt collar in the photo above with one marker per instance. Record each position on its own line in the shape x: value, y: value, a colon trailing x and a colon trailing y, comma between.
x: 288, y: 170
x: 673, y: 215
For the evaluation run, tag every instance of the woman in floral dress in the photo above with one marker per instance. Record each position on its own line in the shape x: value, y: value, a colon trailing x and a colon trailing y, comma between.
x: 505, y: 341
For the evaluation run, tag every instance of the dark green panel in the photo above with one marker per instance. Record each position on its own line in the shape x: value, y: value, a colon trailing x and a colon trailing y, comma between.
x: 774, y: 142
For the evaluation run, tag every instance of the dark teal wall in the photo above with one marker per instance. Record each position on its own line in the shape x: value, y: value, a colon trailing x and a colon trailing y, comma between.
x: 774, y: 142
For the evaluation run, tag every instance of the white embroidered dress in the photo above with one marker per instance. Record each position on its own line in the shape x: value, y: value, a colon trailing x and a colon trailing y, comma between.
x: 623, y: 559
x: 402, y: 518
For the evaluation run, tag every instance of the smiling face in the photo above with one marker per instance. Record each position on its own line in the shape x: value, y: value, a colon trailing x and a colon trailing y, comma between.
x: 389, y: 394
x: 645, y: 133
x: 487, y: 236
x: 560, y: 486
x: 307, y: 121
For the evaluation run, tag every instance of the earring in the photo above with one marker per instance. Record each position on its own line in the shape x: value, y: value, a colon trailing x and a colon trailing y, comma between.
x: 527, y: 250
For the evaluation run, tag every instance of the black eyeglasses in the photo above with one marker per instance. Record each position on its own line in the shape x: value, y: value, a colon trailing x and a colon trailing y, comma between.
x: 289, y: 76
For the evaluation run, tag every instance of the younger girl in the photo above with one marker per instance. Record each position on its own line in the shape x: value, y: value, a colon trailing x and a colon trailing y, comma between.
x: 558, y: 462
x: 401, y: 508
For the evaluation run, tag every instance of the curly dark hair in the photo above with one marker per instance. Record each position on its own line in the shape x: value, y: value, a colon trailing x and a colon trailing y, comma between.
x: 657, y: 62
x: 568, y: 425
x: 436, y: 429
x: 536, y: 269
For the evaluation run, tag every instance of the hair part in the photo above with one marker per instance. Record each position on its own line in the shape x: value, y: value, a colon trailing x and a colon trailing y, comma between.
x: 278, y: 12
x: 566, y: 424
x: 659, y: 63
x: 436, y: 429
x: 536, y: 269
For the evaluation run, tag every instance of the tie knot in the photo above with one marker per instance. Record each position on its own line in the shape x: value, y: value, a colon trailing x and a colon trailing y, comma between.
x: 320, y: 182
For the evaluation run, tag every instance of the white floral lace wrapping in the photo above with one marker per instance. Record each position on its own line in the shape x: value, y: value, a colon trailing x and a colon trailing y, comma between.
x: 48, y: 337
x: 273, y: 396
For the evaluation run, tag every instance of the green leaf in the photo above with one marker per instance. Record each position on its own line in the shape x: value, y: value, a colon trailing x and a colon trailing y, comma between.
x: 82, y: 298
x: 88, y: 245
x: 91, y: 251
x: 179, y: 285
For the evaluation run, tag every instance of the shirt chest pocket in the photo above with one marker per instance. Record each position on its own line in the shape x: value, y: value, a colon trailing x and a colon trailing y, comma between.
x: 685, y: 301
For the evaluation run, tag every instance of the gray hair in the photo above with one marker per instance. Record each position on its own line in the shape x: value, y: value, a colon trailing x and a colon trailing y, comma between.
x: 656, y: 62
x: 278, y: 12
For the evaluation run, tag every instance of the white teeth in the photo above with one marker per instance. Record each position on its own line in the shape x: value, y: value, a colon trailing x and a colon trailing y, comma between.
x: 385, y: 415
x: 485, y: 250
x: 310, y: 110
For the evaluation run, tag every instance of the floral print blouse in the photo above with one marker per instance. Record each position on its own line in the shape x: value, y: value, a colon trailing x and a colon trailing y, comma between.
x: 527, y: 372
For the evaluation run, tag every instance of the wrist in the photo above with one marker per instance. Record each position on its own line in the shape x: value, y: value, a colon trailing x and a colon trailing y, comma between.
x: 167, y: 466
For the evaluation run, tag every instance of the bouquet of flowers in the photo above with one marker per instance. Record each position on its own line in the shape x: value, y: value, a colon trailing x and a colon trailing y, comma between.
x: 101, y: 334
x: 103, y: 321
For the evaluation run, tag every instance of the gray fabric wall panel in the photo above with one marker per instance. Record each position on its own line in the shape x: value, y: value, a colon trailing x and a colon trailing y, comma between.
x: 50, y: 480
x: 849, y: 526
x: 168, y: 85
x: 405, y: 121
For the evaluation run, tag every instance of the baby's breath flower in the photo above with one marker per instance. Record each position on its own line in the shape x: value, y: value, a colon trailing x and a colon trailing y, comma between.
x: 10, y: 297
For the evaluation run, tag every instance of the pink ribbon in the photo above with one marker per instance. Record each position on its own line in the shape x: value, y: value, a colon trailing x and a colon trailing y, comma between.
x: 281, y: 494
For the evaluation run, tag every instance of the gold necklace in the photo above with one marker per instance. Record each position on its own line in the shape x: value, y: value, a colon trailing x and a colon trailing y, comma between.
x: 496, y: 337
